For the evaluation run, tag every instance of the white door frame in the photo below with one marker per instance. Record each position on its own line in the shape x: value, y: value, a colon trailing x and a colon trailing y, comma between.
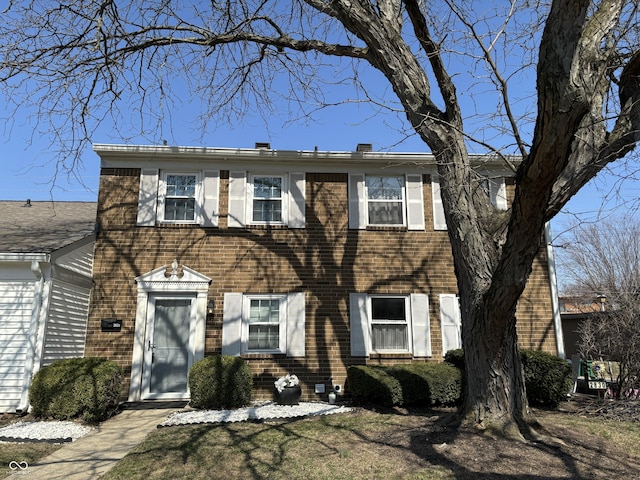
x: 167, y: 280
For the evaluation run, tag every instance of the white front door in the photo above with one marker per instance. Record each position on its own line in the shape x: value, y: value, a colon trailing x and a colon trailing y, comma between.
x: 168, y: 348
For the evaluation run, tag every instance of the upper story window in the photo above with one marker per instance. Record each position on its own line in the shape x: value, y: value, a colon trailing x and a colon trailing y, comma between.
x: 267, y: 199
x: 167, y: 196
x: 385, y: 200
x: 180, y: 197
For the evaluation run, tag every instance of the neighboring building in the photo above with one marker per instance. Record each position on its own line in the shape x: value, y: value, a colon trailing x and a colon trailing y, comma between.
x: 46, y: 256
x: 301, y: 262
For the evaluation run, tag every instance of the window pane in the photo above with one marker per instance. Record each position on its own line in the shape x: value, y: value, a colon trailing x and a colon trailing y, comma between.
x: 388, y: 309
x: 267, y: 210
x: 389, y: 337
x: 267, y: 187
x: 181, y: 185
x: 384, y: 188
x: 264, y: 311
x: 385, y: 213
x: 263, y: 337
x: 179, y: 209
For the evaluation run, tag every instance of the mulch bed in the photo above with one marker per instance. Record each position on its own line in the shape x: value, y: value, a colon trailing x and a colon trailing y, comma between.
x: 592, y: 406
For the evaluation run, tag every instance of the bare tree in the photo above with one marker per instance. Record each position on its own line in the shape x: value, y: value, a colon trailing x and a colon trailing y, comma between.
x: 603, y: 260
x: 83, y: 62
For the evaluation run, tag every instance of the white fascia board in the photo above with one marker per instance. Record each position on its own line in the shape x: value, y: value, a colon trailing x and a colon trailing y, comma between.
x: 141, y: 155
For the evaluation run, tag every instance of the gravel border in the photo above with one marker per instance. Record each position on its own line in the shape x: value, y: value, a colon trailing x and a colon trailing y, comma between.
x: 54, y: 432
x: 62, y: 432
x: 257, y: 412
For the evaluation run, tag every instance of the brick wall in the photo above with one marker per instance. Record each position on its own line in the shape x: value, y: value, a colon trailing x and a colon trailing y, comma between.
x: 326, y: 260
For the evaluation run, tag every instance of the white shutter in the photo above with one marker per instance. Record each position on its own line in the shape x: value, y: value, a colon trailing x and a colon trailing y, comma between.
x: 357, y: 202
x: 237, y: 199
x: 147, y: 197
x: 450, y: 322
x: 498, y: 192
x: 210, y: 187
x: 296, y: 200
x: 420, y: 325
x: 359, y: 323
x: 295, y: 324
x: 415, y: 203
x: 232, y: 324
x: 439, y: 220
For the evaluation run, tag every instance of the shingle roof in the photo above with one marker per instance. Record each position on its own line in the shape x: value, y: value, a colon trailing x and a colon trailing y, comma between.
x: 44, y: 227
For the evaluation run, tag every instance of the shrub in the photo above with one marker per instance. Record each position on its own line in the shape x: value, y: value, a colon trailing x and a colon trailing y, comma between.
x: 455, y: 358
x: 220, y: 382
x: 86, y: 388
x: 374, y: 385
x: 416, y: 384
x: 429, y: 383
x: 547, y: 378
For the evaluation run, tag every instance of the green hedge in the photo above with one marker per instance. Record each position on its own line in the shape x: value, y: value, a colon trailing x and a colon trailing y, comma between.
x: 86, y: 388
x: 220, y: 382
x: 547, y: 377
x: 414, y: 384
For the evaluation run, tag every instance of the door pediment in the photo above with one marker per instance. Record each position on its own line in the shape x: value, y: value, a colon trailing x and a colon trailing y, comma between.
x: 173, y: 278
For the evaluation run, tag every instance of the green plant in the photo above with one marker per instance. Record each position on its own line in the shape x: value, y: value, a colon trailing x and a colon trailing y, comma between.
x: 547, y: 378
x: 87, y: 388
x: 455, y: 357
x: 220, y: 382
x: 374, y: 385
x: 429, y: 383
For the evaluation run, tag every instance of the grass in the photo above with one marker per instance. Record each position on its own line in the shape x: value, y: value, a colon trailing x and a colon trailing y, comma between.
x: 23, y: 452
x: 370, y: 445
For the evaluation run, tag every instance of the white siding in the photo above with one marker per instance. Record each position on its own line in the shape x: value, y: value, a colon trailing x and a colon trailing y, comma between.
x: 67, y: 323
x: 16, y: 300
x: 79, y: 260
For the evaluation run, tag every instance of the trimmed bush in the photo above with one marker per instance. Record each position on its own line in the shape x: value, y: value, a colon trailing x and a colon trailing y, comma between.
x: 374, y: 385
x: 429, y: 384
x: 455, y: 358
x: 86, y: 388
x: 547, y: 378
x: 415, y: 384
x: 220, y: 382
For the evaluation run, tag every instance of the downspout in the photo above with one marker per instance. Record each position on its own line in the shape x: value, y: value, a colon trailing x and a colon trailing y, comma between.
x: 34, y: 334
x: 553, y: 283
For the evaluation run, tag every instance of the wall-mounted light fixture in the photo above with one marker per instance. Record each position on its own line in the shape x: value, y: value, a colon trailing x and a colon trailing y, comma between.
x: 210, y: 307
x: 602, y: 299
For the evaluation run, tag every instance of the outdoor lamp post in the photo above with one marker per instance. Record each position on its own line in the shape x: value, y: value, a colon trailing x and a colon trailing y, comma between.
x: 602, y: 299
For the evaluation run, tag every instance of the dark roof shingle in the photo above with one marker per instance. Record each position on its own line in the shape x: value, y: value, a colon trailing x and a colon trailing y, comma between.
x: 44, y: 227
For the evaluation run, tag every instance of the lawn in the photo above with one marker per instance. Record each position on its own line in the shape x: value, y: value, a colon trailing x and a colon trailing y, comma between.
x: 395, y: 445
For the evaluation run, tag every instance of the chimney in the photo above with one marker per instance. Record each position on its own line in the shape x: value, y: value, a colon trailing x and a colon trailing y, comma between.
x: 263, y: 145
x: 364, y: 147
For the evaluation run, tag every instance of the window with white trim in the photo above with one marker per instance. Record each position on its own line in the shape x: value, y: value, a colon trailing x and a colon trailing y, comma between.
x: 179, y: 202
x: 389, y: 324
x: 385, y: 200
x: 267, y: 199
x: 264, y: 323
x: 178, y: 197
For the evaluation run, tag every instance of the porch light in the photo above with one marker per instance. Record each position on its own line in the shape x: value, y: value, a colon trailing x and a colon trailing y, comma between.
x: 602, y: 299
x: 210, y: 306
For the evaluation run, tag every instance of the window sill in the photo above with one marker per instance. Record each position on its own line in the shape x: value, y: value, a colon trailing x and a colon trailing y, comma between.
x: 388, y: 356
x: 391, y: 228
x: 261, y: 356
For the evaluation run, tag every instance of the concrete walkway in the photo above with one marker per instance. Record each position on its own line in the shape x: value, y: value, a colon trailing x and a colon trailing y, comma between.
x: 97, y: 452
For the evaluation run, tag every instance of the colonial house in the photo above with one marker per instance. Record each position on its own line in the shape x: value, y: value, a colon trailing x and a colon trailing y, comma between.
x: 301, y: 262
x: 46, y: 256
